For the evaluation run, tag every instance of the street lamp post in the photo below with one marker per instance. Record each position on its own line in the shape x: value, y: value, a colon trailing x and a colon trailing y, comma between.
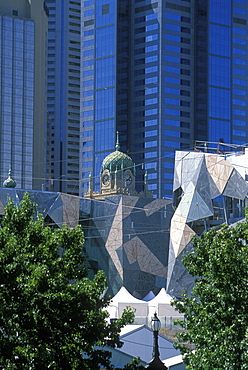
x: 156, y: 363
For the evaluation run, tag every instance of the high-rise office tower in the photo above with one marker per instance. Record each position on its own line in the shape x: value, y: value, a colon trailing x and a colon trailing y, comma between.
x: 163, y: 74
x: 63, y: 96
x: 23, y: 25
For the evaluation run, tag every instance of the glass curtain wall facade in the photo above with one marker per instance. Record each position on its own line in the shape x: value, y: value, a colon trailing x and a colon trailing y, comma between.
x: 63, y: 96
x: 17, y: 99
x: 163, y: 74
x: 23, y: 27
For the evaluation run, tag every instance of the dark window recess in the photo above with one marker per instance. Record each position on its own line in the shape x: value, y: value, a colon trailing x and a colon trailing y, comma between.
x: 137, y: 62
x: 185, y: 72
x: 15, y: 12
x: 145, y: 8
x: 185, y: 29
x: 89, y: 22
x: 185, y: 61
x: 185, y: 135
x: 185, y: 51
x: 182, y: 8
x: 139, y: 30
x: 185, y: 40
x: 105, y: 9
x: 139, y: 124
x: 139, y: 103
x: 139, y: 135
x: 139, y: 82
x: 138, y: 146
x: 185, y: 103
x: 202, y: 13
x: 140, y: 40
x: 139, y: 51
x: 185, y: 114
x: 139, y: 72
x: 239, y: 20
x: 139, y: 93
x: 139, y: 19
x: 184, y: 146
x: 185, y: 93
x: 185, y: 82
x: 138, y: 114
x: 185, y: 124
x: 185, y: 19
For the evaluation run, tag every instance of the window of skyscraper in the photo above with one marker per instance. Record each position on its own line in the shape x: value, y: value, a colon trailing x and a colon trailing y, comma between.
x: 220, y: 11
x: 105, y: 41
x: 220, y: 40
x: 105, y: 12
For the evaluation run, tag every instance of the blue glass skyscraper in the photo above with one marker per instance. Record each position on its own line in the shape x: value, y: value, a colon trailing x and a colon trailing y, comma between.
x: 63, y: 96
x: 163, y: 74
x: 23, y: 26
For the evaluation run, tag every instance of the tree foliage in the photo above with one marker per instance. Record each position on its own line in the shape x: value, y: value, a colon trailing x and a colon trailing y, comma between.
x: 51, y: 314
x: 217, y: 312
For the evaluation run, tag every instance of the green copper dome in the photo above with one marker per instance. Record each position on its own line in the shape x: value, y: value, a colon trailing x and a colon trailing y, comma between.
x: 117, y: 161
x: 9, y: 182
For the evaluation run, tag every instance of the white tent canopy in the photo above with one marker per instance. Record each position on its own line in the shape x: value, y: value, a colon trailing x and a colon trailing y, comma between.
x: 159, y: 304
x: 123, y: 299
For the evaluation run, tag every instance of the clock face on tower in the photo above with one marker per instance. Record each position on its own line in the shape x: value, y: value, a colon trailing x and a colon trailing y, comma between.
x: 128, y: 179
x: 106, y: 179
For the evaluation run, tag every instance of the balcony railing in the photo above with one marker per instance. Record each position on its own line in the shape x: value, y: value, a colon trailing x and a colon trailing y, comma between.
x: 219, y: 147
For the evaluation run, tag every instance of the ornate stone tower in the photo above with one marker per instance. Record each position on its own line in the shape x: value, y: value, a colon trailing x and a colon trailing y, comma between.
x: 117, y: 175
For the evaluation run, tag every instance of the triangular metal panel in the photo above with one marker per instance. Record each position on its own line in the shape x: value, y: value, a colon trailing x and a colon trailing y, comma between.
x: 191, y: 168
x: 186, y: 200
x: 176, y: 181
x: 214, y: 191
x: 155, y: 205
x: 128, y: 202
x: 236, y: 187
x: 198, y: 209
x: 115, y: 239
x: 202, y: 185
x: 219, y: 169
x: 56, y: 212
x: 171, y: 263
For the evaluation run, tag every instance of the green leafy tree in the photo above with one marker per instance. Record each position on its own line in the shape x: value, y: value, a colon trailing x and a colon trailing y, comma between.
x: 51, y: 314
x: 217, y: 312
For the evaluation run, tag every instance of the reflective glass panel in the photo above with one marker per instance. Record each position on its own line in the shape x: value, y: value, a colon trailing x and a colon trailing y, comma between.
x: 105, y: 41
x: 219, y: 103
x: 219, y: 129
x: 220, y: 11
x: 220, y: 43
x: 219, y: 71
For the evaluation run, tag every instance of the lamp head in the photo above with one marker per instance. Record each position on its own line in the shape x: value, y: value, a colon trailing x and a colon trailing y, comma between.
x: 156, y: 324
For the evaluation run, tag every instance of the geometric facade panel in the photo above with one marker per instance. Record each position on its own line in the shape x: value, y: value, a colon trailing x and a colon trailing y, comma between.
x: 180, y: 233
x: 132, y: 241
x: 187, y: 168
x: 236, y: 185
x: 137, y: 251
x: 219, y: 169
x: 114, y: 240
x: 155, y: 206
x: 214, y: 192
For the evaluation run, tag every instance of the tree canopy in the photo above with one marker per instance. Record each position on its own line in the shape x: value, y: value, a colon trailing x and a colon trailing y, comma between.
x: 51, y: 314
x: 216, y: 315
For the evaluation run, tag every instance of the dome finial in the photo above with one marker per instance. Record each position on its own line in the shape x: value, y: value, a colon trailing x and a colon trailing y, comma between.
x: 117, y: 145
x: 9, y: 182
